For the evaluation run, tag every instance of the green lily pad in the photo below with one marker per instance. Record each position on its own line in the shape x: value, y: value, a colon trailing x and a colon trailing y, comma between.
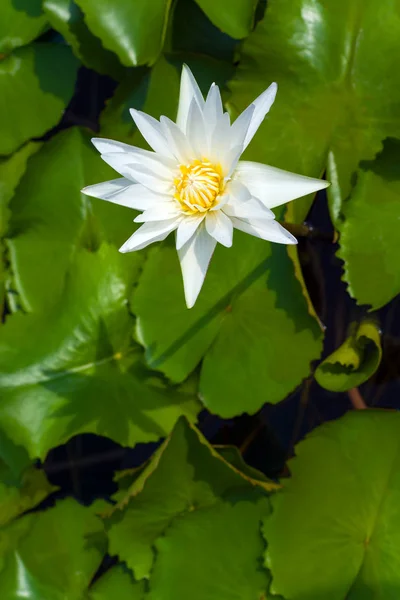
x: 66, y: 17
x: 250, y: 325
x: 21, y: 22
x: 117, y: 583
x: 53, y: 554
x: 135, y: 31
x: 185, y: 476
x: 36, y: 84
x: 334, y: 530
x: 75, y: 368
x: 354, y: 362
x: 368, y: 226
x: 51, y: 219
x: 234, y: 17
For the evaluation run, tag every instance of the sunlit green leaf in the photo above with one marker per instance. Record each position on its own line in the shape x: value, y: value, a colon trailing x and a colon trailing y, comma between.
x: 21, y: 21
x: 75, y: 369
x: 34, y: 487
x: 66, y: 17
x: 334, y: 532
x: 117, y: 583
x: 369, y: 229
x: 53, y: 554
x: 36, y: 84
x: 250, y: 324
x: 234, y: 17
x: 184, y: 476
x: 337, y: 95
x: 50, y: 218
x: 135, y: 31
x: 354, y: 362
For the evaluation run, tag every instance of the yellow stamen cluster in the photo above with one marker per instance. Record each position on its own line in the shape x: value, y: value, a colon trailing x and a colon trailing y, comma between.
x: 198, y: 186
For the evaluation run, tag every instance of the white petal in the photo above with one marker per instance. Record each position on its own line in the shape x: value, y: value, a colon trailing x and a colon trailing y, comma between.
x: 262, y: 104
x: 105, y: 146
x: 150, y: 160
x: 241, y: 204
x: 240, y: 127
x: 188, y: 90
x: 221, y: 141
x: 151, y: 130
x: 177, y: 141
x: 220, y: 227
x: 196, y: 130
x: 213, y: 107
x: 140, y: 174
x: 187, y: 228
x: 265, y: 229
x: 195, y: 257
x: 124, y: 192
x: 230, y: 160
x: 275, y: 186
x: 149, y: 233
x: 159, y: 212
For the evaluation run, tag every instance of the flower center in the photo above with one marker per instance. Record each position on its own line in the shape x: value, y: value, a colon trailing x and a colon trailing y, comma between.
x: 198, y: 186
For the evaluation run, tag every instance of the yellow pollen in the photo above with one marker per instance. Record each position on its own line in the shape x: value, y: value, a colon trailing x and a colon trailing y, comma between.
x: 198, y: 186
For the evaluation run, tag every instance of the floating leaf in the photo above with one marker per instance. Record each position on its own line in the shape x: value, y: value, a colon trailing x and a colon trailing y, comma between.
x: 334, y: 531
x: 135, y: 31
x: 336, y: 96
x: 52, y: 554
x: 117, y: 583
x: 234, y: 17
x: 184, y: 476
x: 369, y: 231
x: 51, y: 219
x: 66, y: 17
x: 354, y: 362
x: 33, y: 489
x: 250, y: 325
x: 36, y: 84
x: 21, y: 21
x: 75, y: 368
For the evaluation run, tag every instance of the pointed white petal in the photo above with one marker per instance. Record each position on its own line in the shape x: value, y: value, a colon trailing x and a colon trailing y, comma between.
x: 150, y: 160
x: 262, y: 104
x: 177, y: 141
x: 230, y: 160
x: 187, y: 228
x: 240, y: 127
x: 195, y: 257
x: 220, y: 227
x: 124, y: 192
x: 213, y: 106
x: 221, y: 142
x: 149, y: 233
x: 105, y: 146
x: 273, y: 186
x: 151, y: 130
x: 159, y: 212
x: 196, y: 130
x: 266, y: 229
x: 138, y: 173
x: 188, y: 90
x: 241, y: 204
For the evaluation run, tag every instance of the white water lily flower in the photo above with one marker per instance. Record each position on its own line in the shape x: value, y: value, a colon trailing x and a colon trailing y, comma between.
x: 193, y: 182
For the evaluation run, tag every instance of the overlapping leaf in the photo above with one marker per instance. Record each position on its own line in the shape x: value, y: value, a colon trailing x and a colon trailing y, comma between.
x: 21, y: 22
x: 188, y: 492
x: 333, y: 532
x: 250, y: 324
x: 354, y: 362
x: 135, y: 31
x: 117, y: 583
x: 75, y: 369
x: 338, y: 100
x: 67, y: 18
x: 36, y: 84
x: 53, y: 554
x: 50, y: 219
x: 234, y: 18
